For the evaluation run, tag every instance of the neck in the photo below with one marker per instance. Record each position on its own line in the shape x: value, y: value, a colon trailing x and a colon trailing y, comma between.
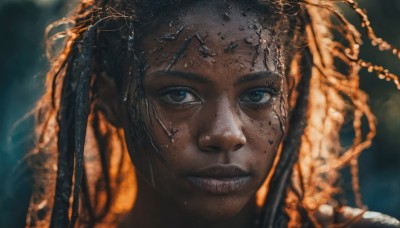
x: 151, y: 209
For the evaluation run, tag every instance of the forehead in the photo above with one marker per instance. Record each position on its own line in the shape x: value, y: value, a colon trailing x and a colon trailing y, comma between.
x: 210, y: 36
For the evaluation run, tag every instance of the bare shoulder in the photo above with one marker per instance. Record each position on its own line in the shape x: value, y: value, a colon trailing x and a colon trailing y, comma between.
x: 354, y: 217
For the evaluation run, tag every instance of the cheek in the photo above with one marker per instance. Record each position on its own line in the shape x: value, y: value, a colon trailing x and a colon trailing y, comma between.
x: 149, y: 152
x: 170, y: 133
x: 263, y: 139
x: 267, y: 129
x: 170, y: 137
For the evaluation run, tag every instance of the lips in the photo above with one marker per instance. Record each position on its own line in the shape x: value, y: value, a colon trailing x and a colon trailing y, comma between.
x: 220, y: 179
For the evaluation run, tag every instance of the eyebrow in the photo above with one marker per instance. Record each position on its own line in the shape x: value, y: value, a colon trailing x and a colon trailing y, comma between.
x: 256, y: 76
x: 199, y: 78
x: 183, y: 75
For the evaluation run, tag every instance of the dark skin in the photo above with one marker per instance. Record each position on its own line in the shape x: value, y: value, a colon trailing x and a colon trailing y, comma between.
x: 215, y: 117
x: 216, y: 104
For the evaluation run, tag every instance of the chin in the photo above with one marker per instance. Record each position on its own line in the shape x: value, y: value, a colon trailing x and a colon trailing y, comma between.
x: 216, y: 208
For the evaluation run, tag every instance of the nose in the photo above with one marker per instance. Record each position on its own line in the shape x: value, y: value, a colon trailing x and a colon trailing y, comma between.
x: 222, y: 131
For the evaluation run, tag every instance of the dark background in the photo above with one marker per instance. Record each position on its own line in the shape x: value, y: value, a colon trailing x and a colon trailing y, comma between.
x: 23, y: 67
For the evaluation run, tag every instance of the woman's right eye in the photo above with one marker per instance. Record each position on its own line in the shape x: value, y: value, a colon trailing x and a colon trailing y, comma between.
x: 179, y: 96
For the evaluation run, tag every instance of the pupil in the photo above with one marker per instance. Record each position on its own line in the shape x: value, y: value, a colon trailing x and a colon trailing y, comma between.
x: 256, y: 96
x: 179, y: 95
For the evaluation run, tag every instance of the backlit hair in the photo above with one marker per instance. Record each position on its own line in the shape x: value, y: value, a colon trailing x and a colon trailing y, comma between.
x: 74, y: 163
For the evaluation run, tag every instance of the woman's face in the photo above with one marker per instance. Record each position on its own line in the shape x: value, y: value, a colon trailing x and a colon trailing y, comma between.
x: 217, y: 108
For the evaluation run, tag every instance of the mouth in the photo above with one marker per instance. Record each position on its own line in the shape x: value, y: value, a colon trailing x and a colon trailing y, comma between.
x: 220, y: 179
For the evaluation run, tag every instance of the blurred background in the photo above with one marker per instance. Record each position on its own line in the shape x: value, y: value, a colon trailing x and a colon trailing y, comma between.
x: 23, y: 67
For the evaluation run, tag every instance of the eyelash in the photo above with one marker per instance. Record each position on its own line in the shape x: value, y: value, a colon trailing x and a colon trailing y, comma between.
x: 166, y: 94
x: 267, y: 91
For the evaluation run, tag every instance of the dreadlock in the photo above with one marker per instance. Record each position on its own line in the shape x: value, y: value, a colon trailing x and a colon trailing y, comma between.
x: 91, y: 153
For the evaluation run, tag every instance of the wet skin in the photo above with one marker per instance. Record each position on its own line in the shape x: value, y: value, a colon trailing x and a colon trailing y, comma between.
x: 215, y: 118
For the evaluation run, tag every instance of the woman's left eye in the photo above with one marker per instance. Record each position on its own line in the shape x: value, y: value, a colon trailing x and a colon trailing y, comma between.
x: 256, y: 97
x: 178, y: 96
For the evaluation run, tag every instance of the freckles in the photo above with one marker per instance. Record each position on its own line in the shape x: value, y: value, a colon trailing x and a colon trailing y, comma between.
x: 267, y: 135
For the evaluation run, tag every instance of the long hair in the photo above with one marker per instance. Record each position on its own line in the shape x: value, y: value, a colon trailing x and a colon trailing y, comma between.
x: 80, y: 159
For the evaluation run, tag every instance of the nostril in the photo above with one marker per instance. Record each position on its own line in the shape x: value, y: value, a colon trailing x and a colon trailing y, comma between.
x: 237, y: 147
x: 214, y: 148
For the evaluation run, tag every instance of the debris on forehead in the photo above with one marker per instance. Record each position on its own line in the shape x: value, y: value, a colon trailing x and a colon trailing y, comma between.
x: 268, y: 57
x: 206, y: 51
x: 256, y: 54
x: 233, y: 45
x: 179, y: 52
x: 226, y: 9
x: 268, y: 44
x: 172, y: 36
x: 201, y: 39
x: 226, y: 17
x: 248, y: 40
x: 259, y: 41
